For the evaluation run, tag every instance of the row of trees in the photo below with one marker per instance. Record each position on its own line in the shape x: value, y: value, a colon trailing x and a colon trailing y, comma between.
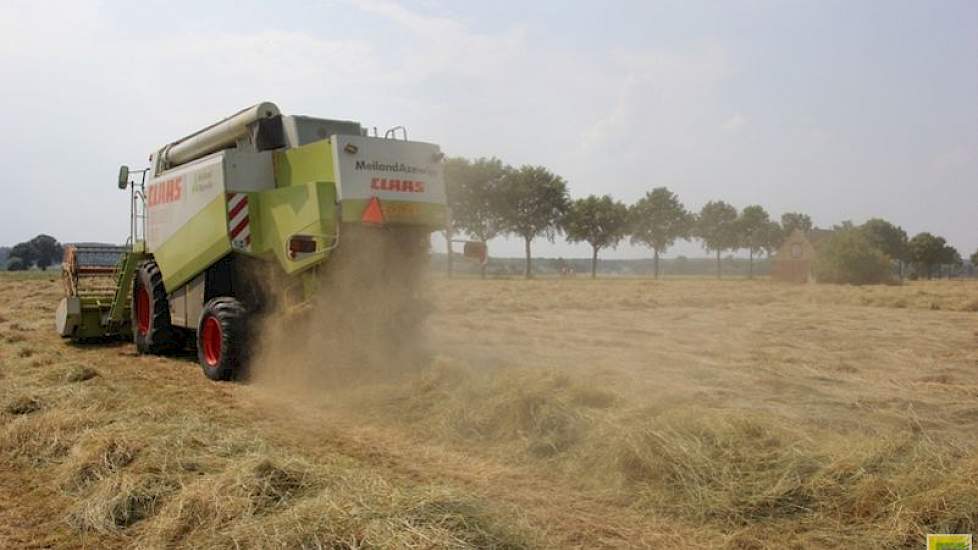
x: 489, y: 199
x: 923, y: 253
x: 41, y: 251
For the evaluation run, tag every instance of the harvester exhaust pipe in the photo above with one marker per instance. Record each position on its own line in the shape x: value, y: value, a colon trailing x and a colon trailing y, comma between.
x: 217, y: 136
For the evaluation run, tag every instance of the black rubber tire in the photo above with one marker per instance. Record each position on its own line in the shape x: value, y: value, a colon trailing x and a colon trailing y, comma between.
x: 231, y: 317
x: 160, y: 336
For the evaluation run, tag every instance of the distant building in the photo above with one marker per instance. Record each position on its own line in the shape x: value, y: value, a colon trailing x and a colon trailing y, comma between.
x: 794, y: 262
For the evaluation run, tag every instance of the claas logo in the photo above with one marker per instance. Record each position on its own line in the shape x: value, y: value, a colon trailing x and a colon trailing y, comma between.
x: 403, y: 186
x: 165, y: 192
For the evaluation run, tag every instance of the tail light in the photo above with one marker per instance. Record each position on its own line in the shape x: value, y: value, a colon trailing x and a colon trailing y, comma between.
x: 301, y: 245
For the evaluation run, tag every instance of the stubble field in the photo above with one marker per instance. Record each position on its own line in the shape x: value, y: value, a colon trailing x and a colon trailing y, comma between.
x: 554, y: 414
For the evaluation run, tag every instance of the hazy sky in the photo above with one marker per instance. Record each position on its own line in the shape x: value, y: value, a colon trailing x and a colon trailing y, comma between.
x: 844, y: 110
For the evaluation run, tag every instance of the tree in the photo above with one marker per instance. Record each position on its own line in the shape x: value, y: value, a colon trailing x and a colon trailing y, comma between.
x: 951, y: 257
x: 42, y: 250
x: 474, y: 196
x: 849, y: 257
x: 25, y: 252
x: 716, y: 226
x: 16, y: 264
x: 47, y: 251
x: 533, y: 202
x: 754, y: 232
x: 601, y: 222
x: 974, y: 260
x: 927, y: 250
x: 657, y: 220
x: 775, y: 238
x: 890, y: 239
x: 795, y: 220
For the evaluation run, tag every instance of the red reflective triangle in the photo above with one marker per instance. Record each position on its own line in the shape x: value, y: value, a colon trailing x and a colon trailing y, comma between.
x: 373, y: 215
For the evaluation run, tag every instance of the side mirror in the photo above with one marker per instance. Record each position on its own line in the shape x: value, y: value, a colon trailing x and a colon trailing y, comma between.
x: 123, y: 176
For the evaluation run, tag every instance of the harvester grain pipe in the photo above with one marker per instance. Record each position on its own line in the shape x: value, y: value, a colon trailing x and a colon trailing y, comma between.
x: 220, y: 135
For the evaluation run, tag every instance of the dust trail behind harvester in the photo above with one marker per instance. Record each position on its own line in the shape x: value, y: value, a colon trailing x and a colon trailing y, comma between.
x: 366, y: 321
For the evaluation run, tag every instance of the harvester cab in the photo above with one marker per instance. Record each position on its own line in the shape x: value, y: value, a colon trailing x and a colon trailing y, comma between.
x: 249, y: 213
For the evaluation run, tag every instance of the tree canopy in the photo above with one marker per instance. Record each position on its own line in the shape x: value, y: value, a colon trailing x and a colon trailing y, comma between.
x: 756, y: 232
x: 42, y: 251
x: 849, y: 257
x: 533, y: 203
x: 657, y: 220
x: 716, y: 226
x: 601, y: 222
x: 47, y: 251
x: 473, y: 193
x: 795, y: 220
x: 927, y: 251
x: 890, y: 239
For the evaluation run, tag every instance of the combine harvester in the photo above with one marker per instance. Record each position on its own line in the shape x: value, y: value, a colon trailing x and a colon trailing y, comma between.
x: 248, y: 215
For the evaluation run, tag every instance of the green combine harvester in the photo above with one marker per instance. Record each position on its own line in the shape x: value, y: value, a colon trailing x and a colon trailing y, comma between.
x: 248, y: 215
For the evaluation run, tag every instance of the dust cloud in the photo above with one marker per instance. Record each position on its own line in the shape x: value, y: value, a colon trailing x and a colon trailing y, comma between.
x: 366, y: 322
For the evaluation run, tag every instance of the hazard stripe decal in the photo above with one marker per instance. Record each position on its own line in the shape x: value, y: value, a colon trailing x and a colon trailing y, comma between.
x: 238, y: 222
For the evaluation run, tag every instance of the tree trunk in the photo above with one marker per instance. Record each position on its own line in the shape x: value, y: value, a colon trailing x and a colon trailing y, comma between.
x: 482, y: 270
x: 448, y: 251
x: 594, y: 262
x: 750, y: 270
x: 655, y: 263
x: 719, y: 271
x: 529, y: 261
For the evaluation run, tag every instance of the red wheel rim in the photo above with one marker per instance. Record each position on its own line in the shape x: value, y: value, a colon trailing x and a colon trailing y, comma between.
x: 212, y: 340
x: 142, y: 310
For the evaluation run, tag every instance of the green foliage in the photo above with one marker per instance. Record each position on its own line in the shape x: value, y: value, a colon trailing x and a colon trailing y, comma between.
x: 795, y: 220
x: 716, y: 226
x: 974, y: 258
x: 775, y: 237
x: 533, y: 203
x: 754, y: 229
x: 756, y: 232
x: 927, y: 250
x: 849, y: 257
x: 47, y: 250
x: 16, y: 264
x: 473, y: 194
x: 601, y: 222
x: 658, y: 219
x: 24, y: 252
x: 42, y: 250
x: 892, y: 240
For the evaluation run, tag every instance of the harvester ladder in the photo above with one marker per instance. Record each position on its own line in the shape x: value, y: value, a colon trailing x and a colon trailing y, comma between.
x: 119, y: 311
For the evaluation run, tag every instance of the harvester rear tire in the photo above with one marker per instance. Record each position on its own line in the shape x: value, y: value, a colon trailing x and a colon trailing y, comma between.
x: 152, y: 331
x: 221, y: 338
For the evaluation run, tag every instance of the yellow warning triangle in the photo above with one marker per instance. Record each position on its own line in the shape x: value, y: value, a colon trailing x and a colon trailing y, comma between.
x: 373, y: 215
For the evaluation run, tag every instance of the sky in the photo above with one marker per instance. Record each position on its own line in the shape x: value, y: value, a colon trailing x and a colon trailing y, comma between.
x: 844, y: 110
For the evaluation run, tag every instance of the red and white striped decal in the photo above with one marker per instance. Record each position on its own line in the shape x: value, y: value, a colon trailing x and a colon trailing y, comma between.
x: 238, y: 222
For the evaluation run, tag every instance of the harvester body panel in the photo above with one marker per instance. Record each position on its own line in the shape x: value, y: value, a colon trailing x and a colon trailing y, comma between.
x: 257, y: 204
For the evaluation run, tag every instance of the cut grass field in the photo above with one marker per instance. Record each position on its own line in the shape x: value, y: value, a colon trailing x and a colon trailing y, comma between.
x: 554, y: 414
